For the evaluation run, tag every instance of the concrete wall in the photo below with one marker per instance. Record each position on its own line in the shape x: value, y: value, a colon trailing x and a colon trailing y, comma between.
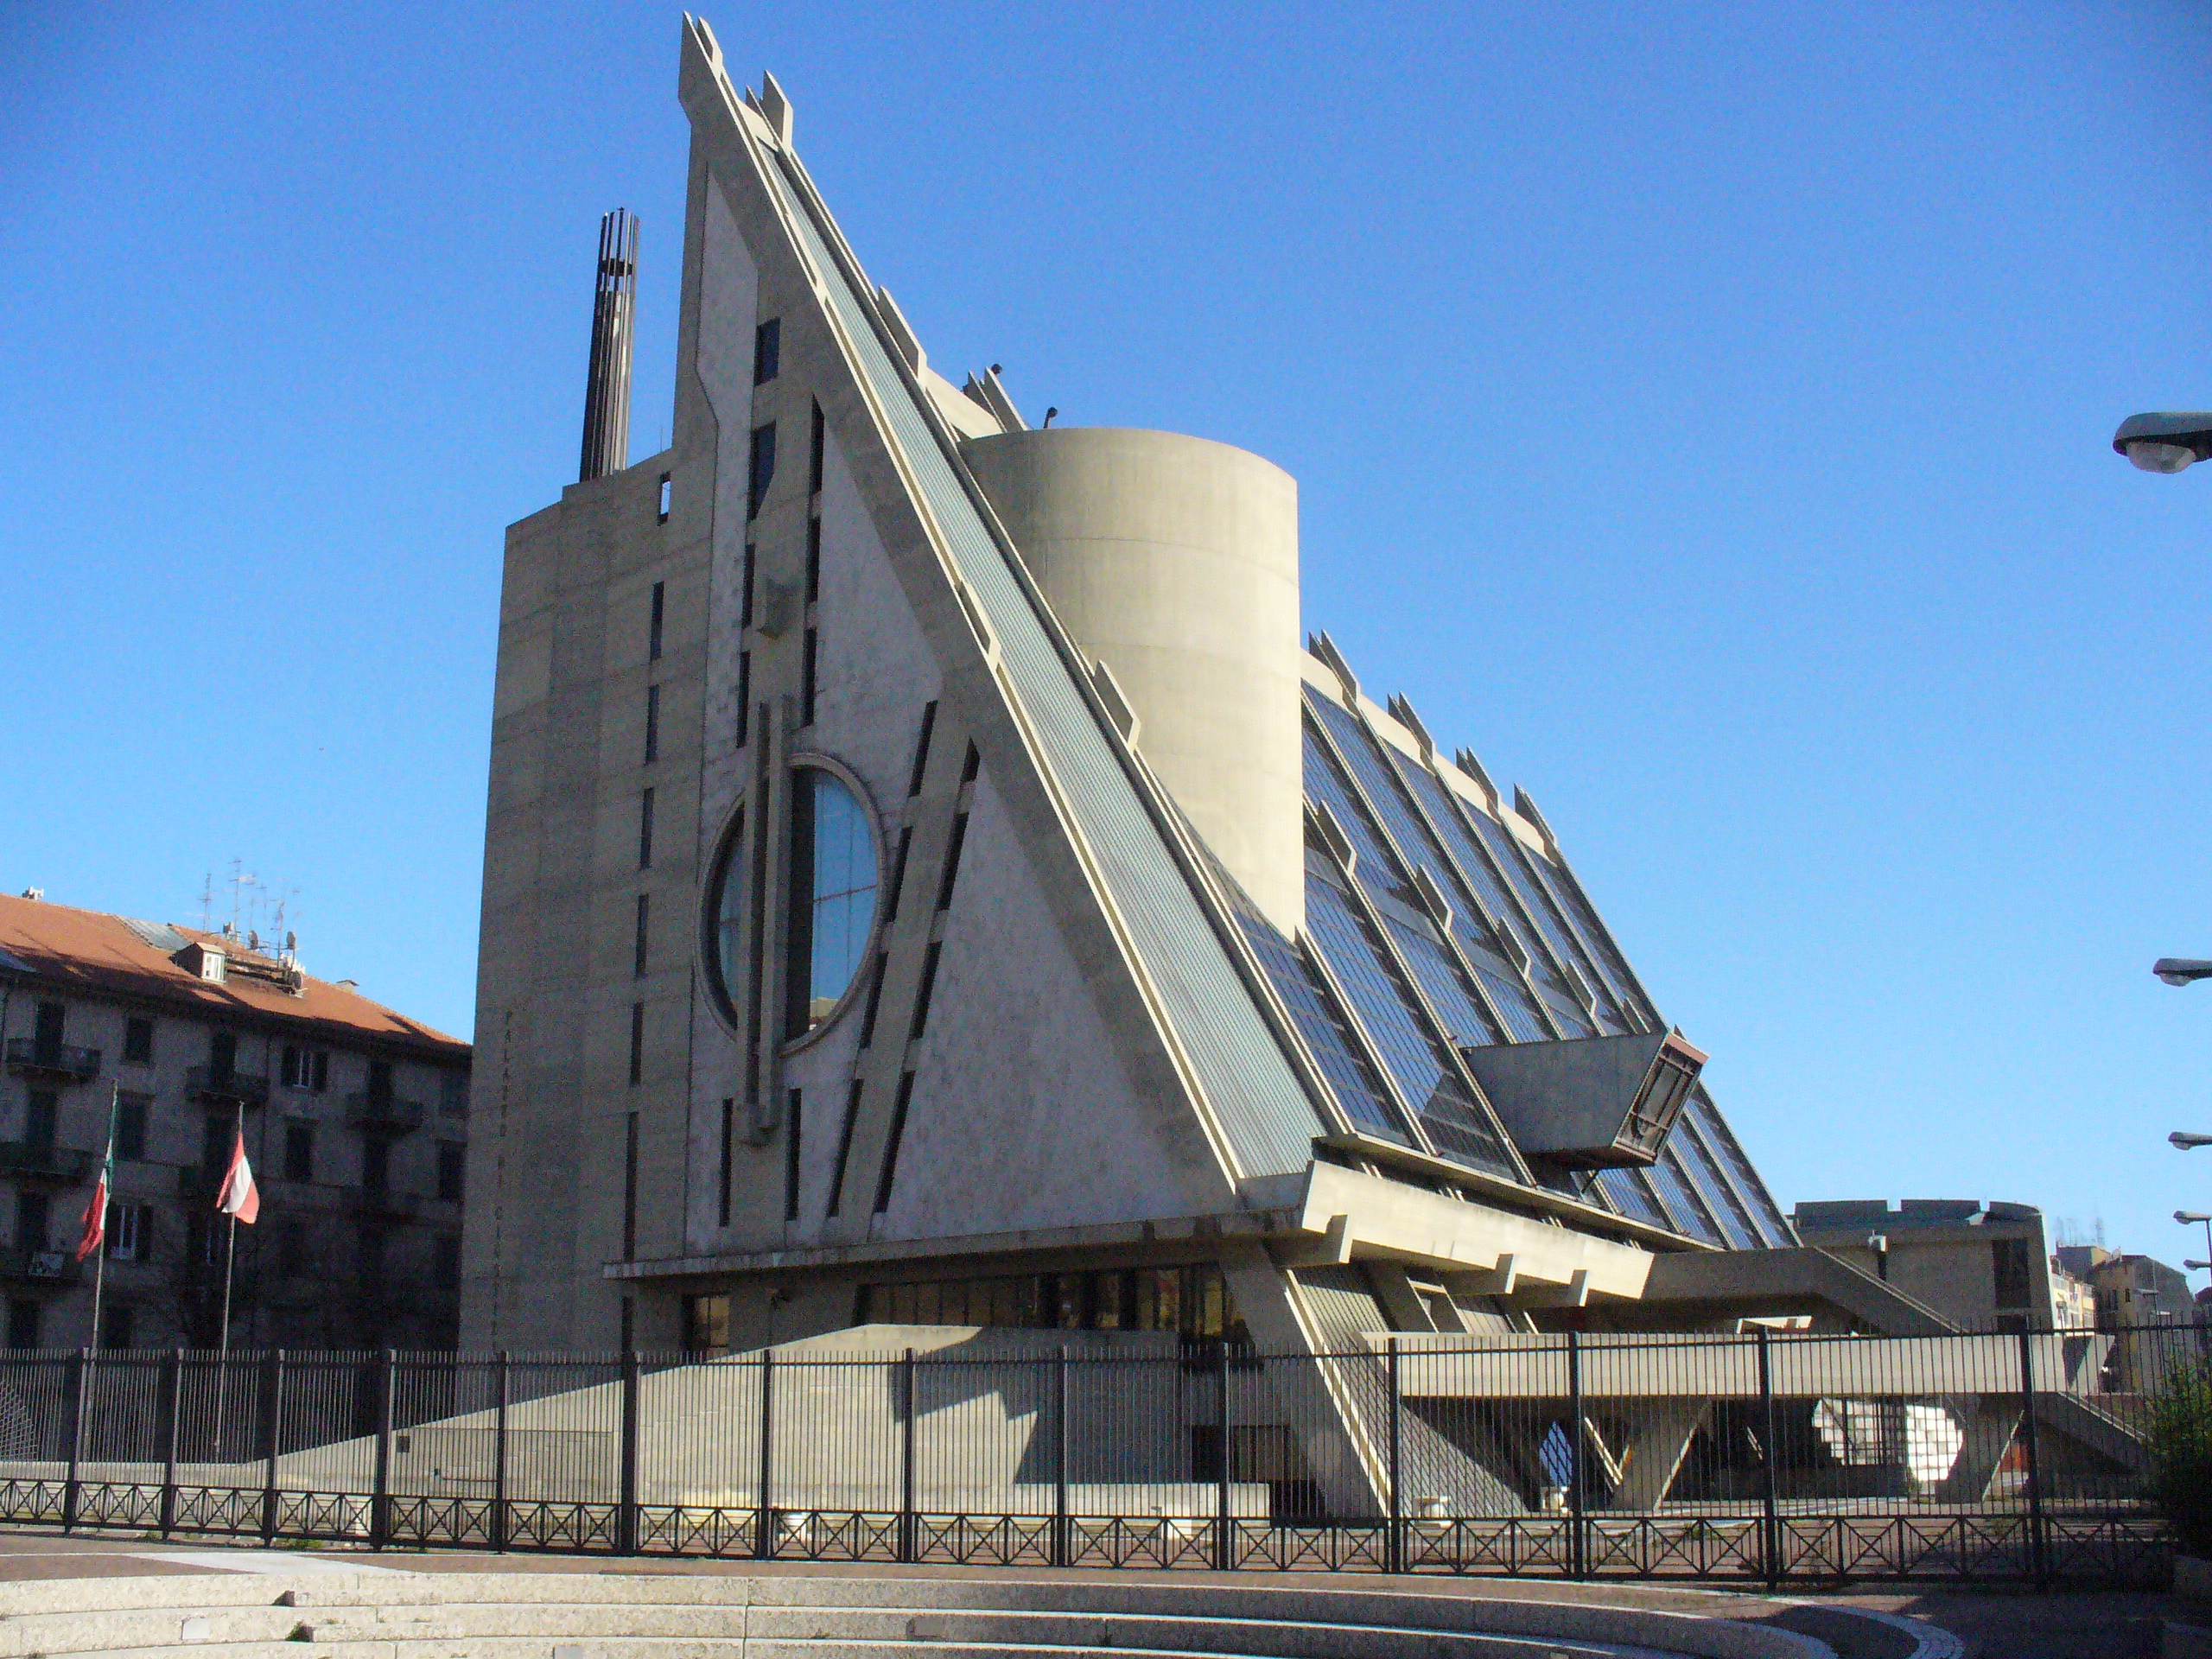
x: 1174, y: 561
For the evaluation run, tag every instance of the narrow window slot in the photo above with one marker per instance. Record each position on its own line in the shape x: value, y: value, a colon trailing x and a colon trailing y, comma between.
x: 875, y: 998
x: 721, y: 1188
x: 630, y: 1189
x: 813, y: 560
x: 659, y: 616
x: 972, y: 765
x: 844, y: 1144
x: 744, y: 595
x: 954, y: 843
x: 806, y: 670
x: 791, y: 1106
x: 637, y: 1044
x: 898, y: 875
x: 667, y: 493
x: 767, y: 351
x: 922, y: 749
x: 761, y: 472
x: 646, y: 830
x: 744, y: 698
x: 816, y: 443
x: 928, y: 989
x: 891, y: 1144
x: 652, y: 724
x: 644, y: 909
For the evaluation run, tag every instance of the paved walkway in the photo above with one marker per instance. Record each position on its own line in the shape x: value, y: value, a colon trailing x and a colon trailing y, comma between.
x: 1994, y: 1623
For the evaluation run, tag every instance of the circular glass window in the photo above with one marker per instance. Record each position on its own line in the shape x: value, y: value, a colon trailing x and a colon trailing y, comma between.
x: 833, y: 883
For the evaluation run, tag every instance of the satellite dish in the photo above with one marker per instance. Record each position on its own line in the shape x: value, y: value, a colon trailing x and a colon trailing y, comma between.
x: 291, y: 941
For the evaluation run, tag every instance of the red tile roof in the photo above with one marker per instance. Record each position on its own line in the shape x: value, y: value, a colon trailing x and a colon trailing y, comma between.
x: 89, y: 953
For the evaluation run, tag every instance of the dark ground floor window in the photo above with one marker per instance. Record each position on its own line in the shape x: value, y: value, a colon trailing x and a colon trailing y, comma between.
x: 1193, y: 1301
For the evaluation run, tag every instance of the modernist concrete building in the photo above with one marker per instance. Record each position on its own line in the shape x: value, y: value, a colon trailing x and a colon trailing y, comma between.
x: 928, y: 880
x: 355, y: 1120
x: 1985, y: 1267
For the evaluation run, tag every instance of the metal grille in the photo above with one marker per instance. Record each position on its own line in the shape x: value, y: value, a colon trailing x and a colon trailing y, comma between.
x: 1758, y: 1456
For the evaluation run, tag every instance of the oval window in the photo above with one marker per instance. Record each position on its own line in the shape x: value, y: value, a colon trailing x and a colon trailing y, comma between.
x: 725, y: 920
x: 833, y: 883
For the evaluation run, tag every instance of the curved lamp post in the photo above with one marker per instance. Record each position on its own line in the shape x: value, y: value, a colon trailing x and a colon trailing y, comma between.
x: 2165, y: 443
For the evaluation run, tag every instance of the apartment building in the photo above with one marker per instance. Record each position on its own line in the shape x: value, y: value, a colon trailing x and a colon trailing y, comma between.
x: 355, y: 1120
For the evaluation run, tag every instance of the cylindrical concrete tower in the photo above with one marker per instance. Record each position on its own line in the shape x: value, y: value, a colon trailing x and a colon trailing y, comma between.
x: 1174, y: 561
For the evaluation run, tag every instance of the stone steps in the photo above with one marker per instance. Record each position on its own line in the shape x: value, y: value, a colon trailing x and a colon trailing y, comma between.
x: 656, y: 1615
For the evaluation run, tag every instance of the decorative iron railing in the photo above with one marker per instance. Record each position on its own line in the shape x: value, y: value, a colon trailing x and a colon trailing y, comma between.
x: 1756, y: 1458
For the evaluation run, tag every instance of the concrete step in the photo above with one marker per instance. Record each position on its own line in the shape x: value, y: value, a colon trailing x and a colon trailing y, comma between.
x: 81, y: 1632
x: 437, y: 1615
x: 539, y: 1647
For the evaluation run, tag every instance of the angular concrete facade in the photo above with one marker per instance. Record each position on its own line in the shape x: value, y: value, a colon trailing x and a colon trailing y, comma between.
x: 1004, y: 920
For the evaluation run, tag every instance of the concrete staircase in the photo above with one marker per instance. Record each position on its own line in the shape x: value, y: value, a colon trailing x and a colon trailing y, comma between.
x: 645, y: 1614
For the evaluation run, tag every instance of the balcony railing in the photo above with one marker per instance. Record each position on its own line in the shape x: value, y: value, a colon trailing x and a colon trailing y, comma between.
x: 205, y: 1082
x: 30, y: 1160
x: 38, y: 1266
x: 371, y: 1110
x: 56, y: 1060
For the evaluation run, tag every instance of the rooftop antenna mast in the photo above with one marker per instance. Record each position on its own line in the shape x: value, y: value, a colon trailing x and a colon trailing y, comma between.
x: 613, y: 318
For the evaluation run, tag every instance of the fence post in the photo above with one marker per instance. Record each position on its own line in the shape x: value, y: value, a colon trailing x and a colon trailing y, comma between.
x: 2039, y: 1563
x: 72, y: 1487
x: 906, y: 1528
x: 1224, y: 1555
x: 176, y: 1392
x: 763, y: 1536
x: 1394, y: 1551
x: 499, y: 1384
x: 1061, y: 1553
x: 380, y: 1487
x: 1577, y: 1548
x: 625, y: 1520
x: 270, y: 1445
x: 1771, y: 1495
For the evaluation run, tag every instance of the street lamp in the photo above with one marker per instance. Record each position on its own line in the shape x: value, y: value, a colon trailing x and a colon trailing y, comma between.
x: 2165, y: 443
x: 2181, y: 971
x: 2181, y: 1140
x: 2198, y: 1218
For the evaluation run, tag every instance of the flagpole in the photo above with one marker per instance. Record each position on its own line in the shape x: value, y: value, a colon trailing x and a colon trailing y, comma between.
x: 105, y: 1197
x: 223, y: 1343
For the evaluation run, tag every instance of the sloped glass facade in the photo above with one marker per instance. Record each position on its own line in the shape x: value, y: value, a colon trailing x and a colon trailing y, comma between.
x: 1503, y: 946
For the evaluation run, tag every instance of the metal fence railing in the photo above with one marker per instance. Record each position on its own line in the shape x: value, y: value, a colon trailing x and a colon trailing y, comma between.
x: 1758, y: 1456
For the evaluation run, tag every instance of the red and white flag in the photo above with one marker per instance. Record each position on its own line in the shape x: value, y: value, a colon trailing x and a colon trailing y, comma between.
x: 95, y: 1218
x: 237, y: 1196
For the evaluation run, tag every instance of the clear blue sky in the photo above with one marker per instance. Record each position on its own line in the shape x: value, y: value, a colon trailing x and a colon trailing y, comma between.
x: 1701, y: 411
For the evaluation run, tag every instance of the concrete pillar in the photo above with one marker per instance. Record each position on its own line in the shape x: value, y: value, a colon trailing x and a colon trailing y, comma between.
x: 1658, y: 1440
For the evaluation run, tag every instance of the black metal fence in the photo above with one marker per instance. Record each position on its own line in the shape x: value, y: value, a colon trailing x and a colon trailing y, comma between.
x: 1760, y: 1457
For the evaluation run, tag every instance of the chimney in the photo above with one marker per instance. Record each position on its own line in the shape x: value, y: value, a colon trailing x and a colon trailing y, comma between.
x: 614, y: 316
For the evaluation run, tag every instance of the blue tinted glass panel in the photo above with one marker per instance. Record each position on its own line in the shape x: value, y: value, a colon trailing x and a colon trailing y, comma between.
x: 1358, y: 1090
x: 1505, y: 858
x: 1684, y: 1214
x: 1474, y: 858
x: 1604, y: 950
x: 1440, y: 981
x: 1508, y: 992
x: 1325, y: 785
x: 1719, y: 1202
x: 1454, y: 1123
x: 1766, y: 1215
x: 844, y: 891
x: 1666, y: 1179
x: 1632, y: 1196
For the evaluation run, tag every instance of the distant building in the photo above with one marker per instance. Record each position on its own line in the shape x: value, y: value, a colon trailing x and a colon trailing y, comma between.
x: 355, y: 1120
x: 2136, y: 1296
x: 1982, y: 1266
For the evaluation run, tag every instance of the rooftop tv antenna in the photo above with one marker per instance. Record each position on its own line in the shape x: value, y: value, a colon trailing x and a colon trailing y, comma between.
x: 614, y: 319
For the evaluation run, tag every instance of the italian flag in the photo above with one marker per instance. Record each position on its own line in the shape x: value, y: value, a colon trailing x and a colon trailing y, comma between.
x: 237, y: 1196
x: 95, y: 1218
